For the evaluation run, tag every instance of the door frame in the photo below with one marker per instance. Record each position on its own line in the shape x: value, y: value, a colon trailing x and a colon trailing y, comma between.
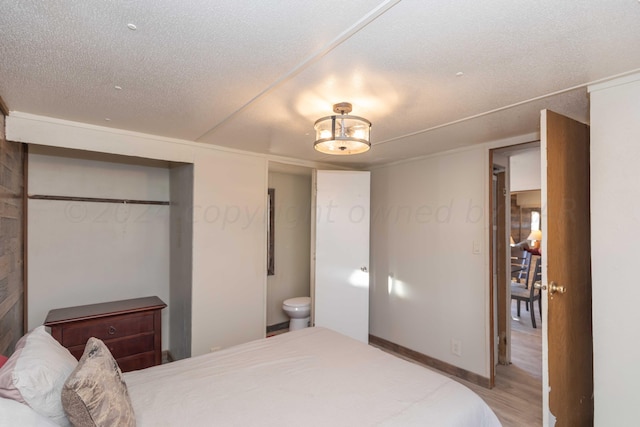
x: 497, y: 329
x: 498, y: 248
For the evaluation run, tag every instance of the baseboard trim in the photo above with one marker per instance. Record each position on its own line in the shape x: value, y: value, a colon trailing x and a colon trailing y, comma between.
x: 278, y: 327
x: 430, y: 361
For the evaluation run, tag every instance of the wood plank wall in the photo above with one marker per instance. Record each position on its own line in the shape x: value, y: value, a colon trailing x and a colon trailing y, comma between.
x: 520, y: 220
x: 12, y: 296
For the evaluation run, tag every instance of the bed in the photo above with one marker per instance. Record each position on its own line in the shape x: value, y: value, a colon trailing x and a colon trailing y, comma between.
x: 311, y: 377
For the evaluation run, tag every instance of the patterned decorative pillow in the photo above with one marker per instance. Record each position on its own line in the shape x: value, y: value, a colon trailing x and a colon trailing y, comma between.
x: 95, y: 394
x: 36, y: 372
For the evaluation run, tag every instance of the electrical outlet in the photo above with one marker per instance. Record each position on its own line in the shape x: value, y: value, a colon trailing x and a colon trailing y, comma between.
x: 214, y: 349
x: 456, y: 347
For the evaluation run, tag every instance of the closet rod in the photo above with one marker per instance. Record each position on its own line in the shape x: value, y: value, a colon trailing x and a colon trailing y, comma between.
x: 97, y: 200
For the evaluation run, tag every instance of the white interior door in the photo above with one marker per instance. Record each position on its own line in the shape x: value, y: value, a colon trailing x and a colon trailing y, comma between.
x: 341, y: 296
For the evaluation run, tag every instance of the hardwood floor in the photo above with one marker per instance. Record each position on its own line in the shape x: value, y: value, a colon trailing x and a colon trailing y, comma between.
x: 526, y: 342
x: 517, y: 396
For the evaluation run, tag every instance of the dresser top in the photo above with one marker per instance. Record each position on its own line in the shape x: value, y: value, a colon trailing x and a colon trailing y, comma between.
x: 92, y: 311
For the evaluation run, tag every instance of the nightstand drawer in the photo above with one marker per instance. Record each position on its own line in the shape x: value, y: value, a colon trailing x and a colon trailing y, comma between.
x: 122, y: 347
x: 138, y: 361
x: 107, y: 328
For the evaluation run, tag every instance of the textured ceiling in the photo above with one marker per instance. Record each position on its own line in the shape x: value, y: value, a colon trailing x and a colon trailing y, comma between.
x: 255, y: 75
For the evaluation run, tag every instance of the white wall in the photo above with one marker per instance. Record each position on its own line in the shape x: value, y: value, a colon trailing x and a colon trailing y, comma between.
x: 427, y: 284
x: 86, y: 252
x: 292, y: 242
x: 524, y: 170
x: 229, y: 245
x: 615, y: 230
x: 229, y: 249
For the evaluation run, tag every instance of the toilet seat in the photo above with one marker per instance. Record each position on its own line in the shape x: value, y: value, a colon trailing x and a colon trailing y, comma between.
x: 298, y: 310
x: 298, y: 302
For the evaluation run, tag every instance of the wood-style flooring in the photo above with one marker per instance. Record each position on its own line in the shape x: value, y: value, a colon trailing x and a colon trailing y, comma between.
x: 517, y: 396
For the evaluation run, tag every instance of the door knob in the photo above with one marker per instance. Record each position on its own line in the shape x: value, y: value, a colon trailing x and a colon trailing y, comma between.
x: 363, y: 269
x: 553, y: 288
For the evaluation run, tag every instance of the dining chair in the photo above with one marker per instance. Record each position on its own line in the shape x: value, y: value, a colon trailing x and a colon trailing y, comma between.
x: 529, y: 294
x: 520, y: 266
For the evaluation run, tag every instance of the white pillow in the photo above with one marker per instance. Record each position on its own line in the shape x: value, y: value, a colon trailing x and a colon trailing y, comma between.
x: 35, y: 374
x: 18, y: 414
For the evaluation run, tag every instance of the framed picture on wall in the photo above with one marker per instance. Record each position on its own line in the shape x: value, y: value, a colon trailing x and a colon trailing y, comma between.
x: 271, y: 231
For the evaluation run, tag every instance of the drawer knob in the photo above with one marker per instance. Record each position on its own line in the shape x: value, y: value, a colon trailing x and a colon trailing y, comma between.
x: 112, y: 330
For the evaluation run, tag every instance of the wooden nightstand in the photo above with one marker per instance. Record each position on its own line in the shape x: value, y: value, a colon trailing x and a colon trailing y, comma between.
x: 131, y: 329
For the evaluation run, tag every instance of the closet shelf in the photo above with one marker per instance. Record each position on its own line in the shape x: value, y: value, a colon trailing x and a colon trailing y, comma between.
x: 98, y: 200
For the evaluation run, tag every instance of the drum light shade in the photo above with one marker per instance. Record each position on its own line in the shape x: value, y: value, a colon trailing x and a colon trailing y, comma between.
x: 342, y: 134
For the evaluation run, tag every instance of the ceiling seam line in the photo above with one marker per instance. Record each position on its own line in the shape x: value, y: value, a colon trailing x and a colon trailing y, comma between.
x: 517, y: 104
x: 367, y: 19
x: 475, y: 116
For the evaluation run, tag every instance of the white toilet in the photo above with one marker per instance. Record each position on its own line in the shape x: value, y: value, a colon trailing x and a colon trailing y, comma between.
x: 298, y: 310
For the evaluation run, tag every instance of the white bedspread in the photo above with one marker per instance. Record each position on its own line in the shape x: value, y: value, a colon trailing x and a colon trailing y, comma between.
x: 310, y: 377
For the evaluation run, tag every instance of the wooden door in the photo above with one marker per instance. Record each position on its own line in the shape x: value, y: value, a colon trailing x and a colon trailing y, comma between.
x: 566, y: 255
x: 341, y: 291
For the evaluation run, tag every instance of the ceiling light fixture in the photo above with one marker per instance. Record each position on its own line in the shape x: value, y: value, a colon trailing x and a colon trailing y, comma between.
x: 342, y: 134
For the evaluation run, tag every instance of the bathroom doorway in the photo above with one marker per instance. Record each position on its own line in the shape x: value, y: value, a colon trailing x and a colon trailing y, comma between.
x: 290, y: 188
